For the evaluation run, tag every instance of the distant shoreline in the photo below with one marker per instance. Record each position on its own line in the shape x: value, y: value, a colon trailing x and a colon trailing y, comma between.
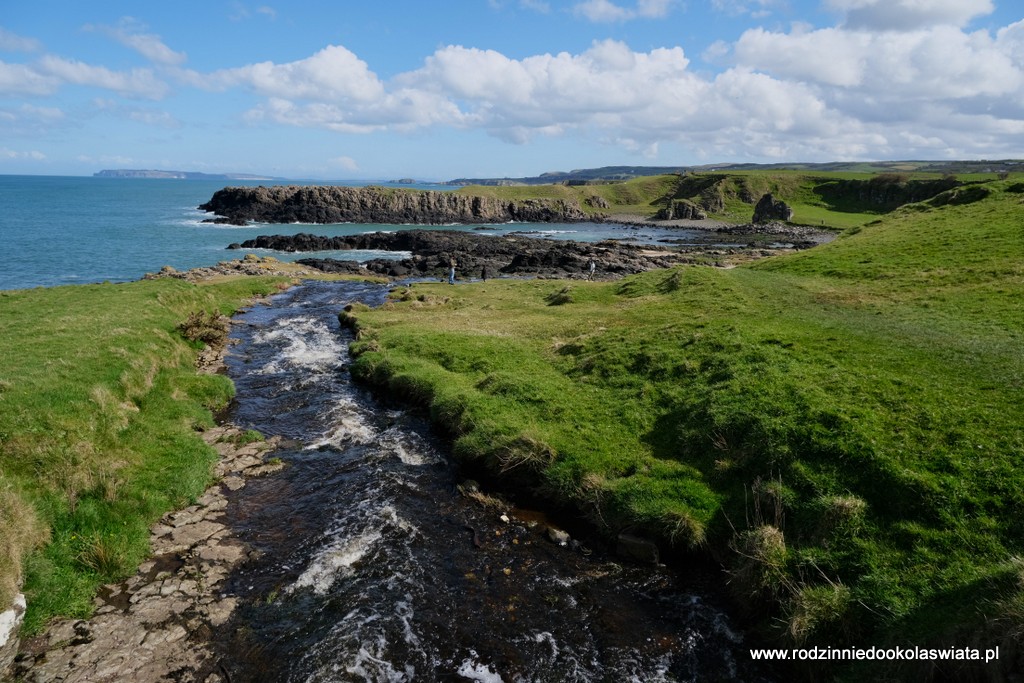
x: 178, y: 175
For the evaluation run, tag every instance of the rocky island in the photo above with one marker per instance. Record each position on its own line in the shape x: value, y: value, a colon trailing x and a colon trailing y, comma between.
x: 373, y: 204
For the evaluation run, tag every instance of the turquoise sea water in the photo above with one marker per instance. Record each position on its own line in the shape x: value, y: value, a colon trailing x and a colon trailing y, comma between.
x: 72, y: 230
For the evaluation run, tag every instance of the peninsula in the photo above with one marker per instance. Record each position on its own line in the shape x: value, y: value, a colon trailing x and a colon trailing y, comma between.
x: 176, y: 175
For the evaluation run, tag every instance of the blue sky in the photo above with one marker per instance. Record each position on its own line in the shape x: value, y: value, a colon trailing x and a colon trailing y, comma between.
x: 388, y: 89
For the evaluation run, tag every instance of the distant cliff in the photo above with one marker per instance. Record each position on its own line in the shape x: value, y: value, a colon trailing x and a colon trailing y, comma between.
x: 331, y: 204
x: 175, y: 175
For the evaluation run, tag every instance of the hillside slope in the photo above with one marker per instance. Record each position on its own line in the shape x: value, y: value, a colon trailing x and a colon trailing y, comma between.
x: 842, y: 428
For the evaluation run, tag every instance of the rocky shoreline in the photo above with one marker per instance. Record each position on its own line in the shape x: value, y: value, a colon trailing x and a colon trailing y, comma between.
x: 433, y: 251
x: 478, y: 256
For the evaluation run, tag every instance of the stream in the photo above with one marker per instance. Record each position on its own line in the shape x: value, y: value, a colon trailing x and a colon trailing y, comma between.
x: 371, y: 565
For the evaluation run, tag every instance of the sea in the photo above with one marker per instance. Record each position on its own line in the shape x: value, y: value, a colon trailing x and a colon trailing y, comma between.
x: 65, y: 230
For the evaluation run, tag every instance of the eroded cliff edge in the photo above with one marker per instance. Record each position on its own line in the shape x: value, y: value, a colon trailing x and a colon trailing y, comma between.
x: 374, y: 204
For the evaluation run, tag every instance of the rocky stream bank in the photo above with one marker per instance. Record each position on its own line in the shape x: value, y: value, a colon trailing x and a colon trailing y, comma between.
x: 155, y: 626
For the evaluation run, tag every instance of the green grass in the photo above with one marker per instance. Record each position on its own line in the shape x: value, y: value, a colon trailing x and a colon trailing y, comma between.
x: 640, y: 196
x: 99, y: 403
x: 828, y: 199
x: 843, y: 426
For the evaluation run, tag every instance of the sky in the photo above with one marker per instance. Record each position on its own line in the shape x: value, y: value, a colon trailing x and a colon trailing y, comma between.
x: 388, y: 89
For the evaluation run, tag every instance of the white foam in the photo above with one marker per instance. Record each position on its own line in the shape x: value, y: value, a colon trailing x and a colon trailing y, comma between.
x: 335, y: 561
x: 367, y: 664
x: 308, y: 345
x: 408, y: 448
x: 403, y: 610
x: 372, y: 667
x: 348, y: 426
x: 347, y: 429
x: 547, y: 637
x: 475, y: 671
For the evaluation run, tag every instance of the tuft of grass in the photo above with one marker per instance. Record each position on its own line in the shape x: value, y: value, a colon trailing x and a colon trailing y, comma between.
x: 209, y: 328
x: 816, y: 609
x: 760, y: 570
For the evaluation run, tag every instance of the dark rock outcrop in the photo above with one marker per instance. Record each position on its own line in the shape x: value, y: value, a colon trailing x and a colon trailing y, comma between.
x: 771, y: 209
x: 637, y: 549
x: 681, y: 209
x: 433, y: 250
x: 330, y: 204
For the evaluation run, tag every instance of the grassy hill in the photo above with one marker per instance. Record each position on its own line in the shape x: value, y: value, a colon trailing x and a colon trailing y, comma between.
x: 617, y: 173
x: 830, y: 199
x: 842, y: 428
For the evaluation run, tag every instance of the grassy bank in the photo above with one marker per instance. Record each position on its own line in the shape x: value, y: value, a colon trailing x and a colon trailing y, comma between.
x: 99, y: 406
x: 842, y: 428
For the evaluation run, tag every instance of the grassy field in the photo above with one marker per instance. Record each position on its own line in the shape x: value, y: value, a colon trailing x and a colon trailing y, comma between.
x: 836, y: 200
x: 842, y: 427
x: 99, y: 406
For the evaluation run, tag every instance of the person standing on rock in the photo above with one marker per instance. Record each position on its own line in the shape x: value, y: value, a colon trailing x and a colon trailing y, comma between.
x: 591, y: 267
x: 451, y: 273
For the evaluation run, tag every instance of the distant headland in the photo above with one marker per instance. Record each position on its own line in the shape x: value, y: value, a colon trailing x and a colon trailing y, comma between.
x: 606, y: 174
x: 177, y: 175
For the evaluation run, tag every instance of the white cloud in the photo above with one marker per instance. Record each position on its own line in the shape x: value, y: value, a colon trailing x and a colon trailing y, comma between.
x: 849, y: 91
x: 549, y: 89
x: 42, y: 114
x: 129, y: 33
x: 347, y: 163
x: 32, y: 155
x: 601, y: 11
x: 241, y: 12
x: 653, y: 8
x: 1010, y: 40
x: 779, y: 99
x: 20, y: 79
x: 152, y: 117
x: 740, y: 7
x: 606, y: 11
x: 536, y: 5
x: 29, y: 121
x: 907, y: 15
x: 937, y: 63
x: 134, y: 83
x: 11, y: 42
x: 333, y: 73
x: 108, y: 160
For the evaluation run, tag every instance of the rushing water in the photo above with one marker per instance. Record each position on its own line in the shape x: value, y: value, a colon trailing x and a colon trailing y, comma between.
x: 373, y: 567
